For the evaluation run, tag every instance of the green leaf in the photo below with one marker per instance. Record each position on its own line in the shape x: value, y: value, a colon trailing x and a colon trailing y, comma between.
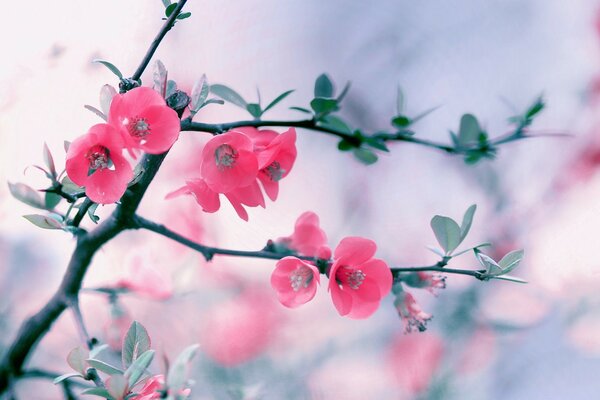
x: 424, y: 114
x: 469, y: 130
x: 323, y: 86
x: 535, y: 108
x: 51, y: 200
x: 254, y: 110
x: 99, y: 391
x: 70, y: 187
x: 49, y: 161
x: 401, y: 121
x: 43, y: 221
x: 510, y: 278
x: 117, y: 386
x: 335, y: 123
x: 110, y: 66
x: 159, y: 78
x: 177, y: 373
x: 467, y: 221
x: 277, y: 100
x: 135, y: 343
x: 170, y: 8
x: 323, y: 106
x: 66, y: 145
x: 61, y: 378
x: 399, y: 101
x: 304, y: 110
x: 166, y: 3
x: 214, y: 101
x: 95, y: 111
x: 26, y: 194
x: 344, y: 145
x: 447, y: 232
x: 76, y: 359
x: 138, y: 367
x: 365, y: 156
x: 491, y: 267
x: 378, y: 144
x: 199, y: 94
x: 97, y: 350
x: 107, y: 92
x: 511, y: 260
x: 344, y: 92
x: 184, y: 15
x: 104, y: 367
x: 229, y: 95
x: 171, y: 88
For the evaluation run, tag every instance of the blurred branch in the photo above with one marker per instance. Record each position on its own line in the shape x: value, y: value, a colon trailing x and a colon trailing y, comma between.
x: 36, y: 326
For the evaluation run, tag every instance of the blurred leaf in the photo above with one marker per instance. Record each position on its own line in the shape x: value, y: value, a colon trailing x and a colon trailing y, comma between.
x: 70, y: 187
x: 323, y: 106
x: 323, y: 86
x: 61, y: 378
x: 229, y: 95
x: 424, y: 114
x: 511, y: 260
x: 184, y: 15
x: 344, y: 145
x: 277, y: 100
x: 135, y: 343
x: 344, y: 92
x: 166, y: 3
x: 107, y: 92
x: 91, y: 213
x: 104, y: 367
x: 401, y: 121
x: 27, y: 195
x: 96, y: 111
x: 159, y: 78
x: 467, y: 221
x: 510, y: 278
x: 469, y: 130
x: 169, y: 9
x: 254, y: 110
x: 97, y: 350
x: 535, y: 108
x: 304, y: 110
x: 176, y: 377
x: 66, y: 145
x: 51, y: 200
x: 76, y: 359
x: 117, y: 386
x: 437, y: 251
x: 335, y: 123
x: 110, y: 66
x: 447, y: 232
x: 49, y: 161
x: 98, y: 391
x: 199, y: 94
x: 378, y: 144
x: 171, y: 88
x: 399, y: 101
x: 138, y: 367
x: 365, y: 156
x: 491, y: 267
x: 43, y: 221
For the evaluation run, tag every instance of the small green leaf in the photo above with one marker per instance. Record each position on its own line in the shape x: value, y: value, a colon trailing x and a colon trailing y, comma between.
x: 49, y: 161
x: 304, y: 110
x: 97, y: 350
x: 138, y: 367
x: 199, y: 94
x: 177, y: 373
x: 135, y: 343
x: 323, y: 86
x: 110, y: 66
x: 365, y: 156
x: 510, y: 278
x: 98, y: 391
x: 26, y: 194
x: 166, y: 3
x: 229, y: 95
x: 214, y: 101
x: 170, y: 8
x: 399, y: 101
x: 104, y: 367
x: 159, y: 78
x: 344, y: 92
x: 447, y: 232
x: 184, y: 15
x: 76, y: 360
x: 401, y: 121
x: 277, y: 100
x: 96, y: 111
x: 491, y: 267
x: 42, y: 221
x: 66, y: 145
x: 323, y: 106
x: 423, y: 114
x: 61, y: 378
x: 51, y: 200
x: 376, y: 143
x: 469, y: 130
x: 335, y: 123
x: 254, y: 110
x: 535, y: 108
x: 70, y: 187
x: 344, y: 145
x: 467, y: 221
x: 171, y: 88
x: 511, y: 260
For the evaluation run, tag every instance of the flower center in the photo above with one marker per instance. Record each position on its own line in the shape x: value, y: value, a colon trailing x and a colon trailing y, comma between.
x: 274, y: 171
x: 98, y: 157
x: 138, y: 127
x: 301, y: 278
x: 225, y: 156
x: 354, y: 277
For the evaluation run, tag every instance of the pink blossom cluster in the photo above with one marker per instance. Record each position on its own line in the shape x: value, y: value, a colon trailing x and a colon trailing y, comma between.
x: 233, y: 164
x: 138, y: 120
x: 357, y: 280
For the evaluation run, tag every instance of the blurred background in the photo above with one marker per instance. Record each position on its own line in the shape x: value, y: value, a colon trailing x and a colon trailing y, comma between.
x: 494, y: 340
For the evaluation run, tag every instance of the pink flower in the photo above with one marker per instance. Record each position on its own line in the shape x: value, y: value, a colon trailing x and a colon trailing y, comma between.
x: 357, y: 281
x: 308, y: 238
x: 425, y: 280
x: 411, y: 314
x: 276, y: 155
x: 95, y: 161
x: 228, y: 162
x: 144, y: 120
x: 153, y: 386
x: 146, y: 281
x: 295, y: 281
x: 414, y: 359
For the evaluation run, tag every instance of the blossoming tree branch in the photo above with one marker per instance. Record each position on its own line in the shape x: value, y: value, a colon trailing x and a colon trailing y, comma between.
x: 115, y: 161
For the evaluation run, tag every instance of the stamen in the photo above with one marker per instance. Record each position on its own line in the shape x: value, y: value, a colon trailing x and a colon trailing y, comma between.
x: 98, y: 157
x: 355, y: 278
x: 301, y: 278
x: 137, y: 127
x: 274, y: 171
x: 225, y: 156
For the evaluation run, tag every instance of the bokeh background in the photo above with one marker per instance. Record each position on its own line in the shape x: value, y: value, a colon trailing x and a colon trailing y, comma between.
x: 495, y: 340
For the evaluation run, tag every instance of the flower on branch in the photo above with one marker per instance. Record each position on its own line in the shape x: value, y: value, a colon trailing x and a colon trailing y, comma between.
x: 295, y: 281
x: 357, y: 281
x: 95, y: 161
x: 412, y: 316
x: 308, y: 238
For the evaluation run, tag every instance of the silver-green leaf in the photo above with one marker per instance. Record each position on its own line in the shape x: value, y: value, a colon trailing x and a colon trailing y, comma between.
x: 447, y: 232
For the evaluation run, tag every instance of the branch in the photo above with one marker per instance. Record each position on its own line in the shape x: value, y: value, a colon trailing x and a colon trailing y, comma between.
x: 208, y: 252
